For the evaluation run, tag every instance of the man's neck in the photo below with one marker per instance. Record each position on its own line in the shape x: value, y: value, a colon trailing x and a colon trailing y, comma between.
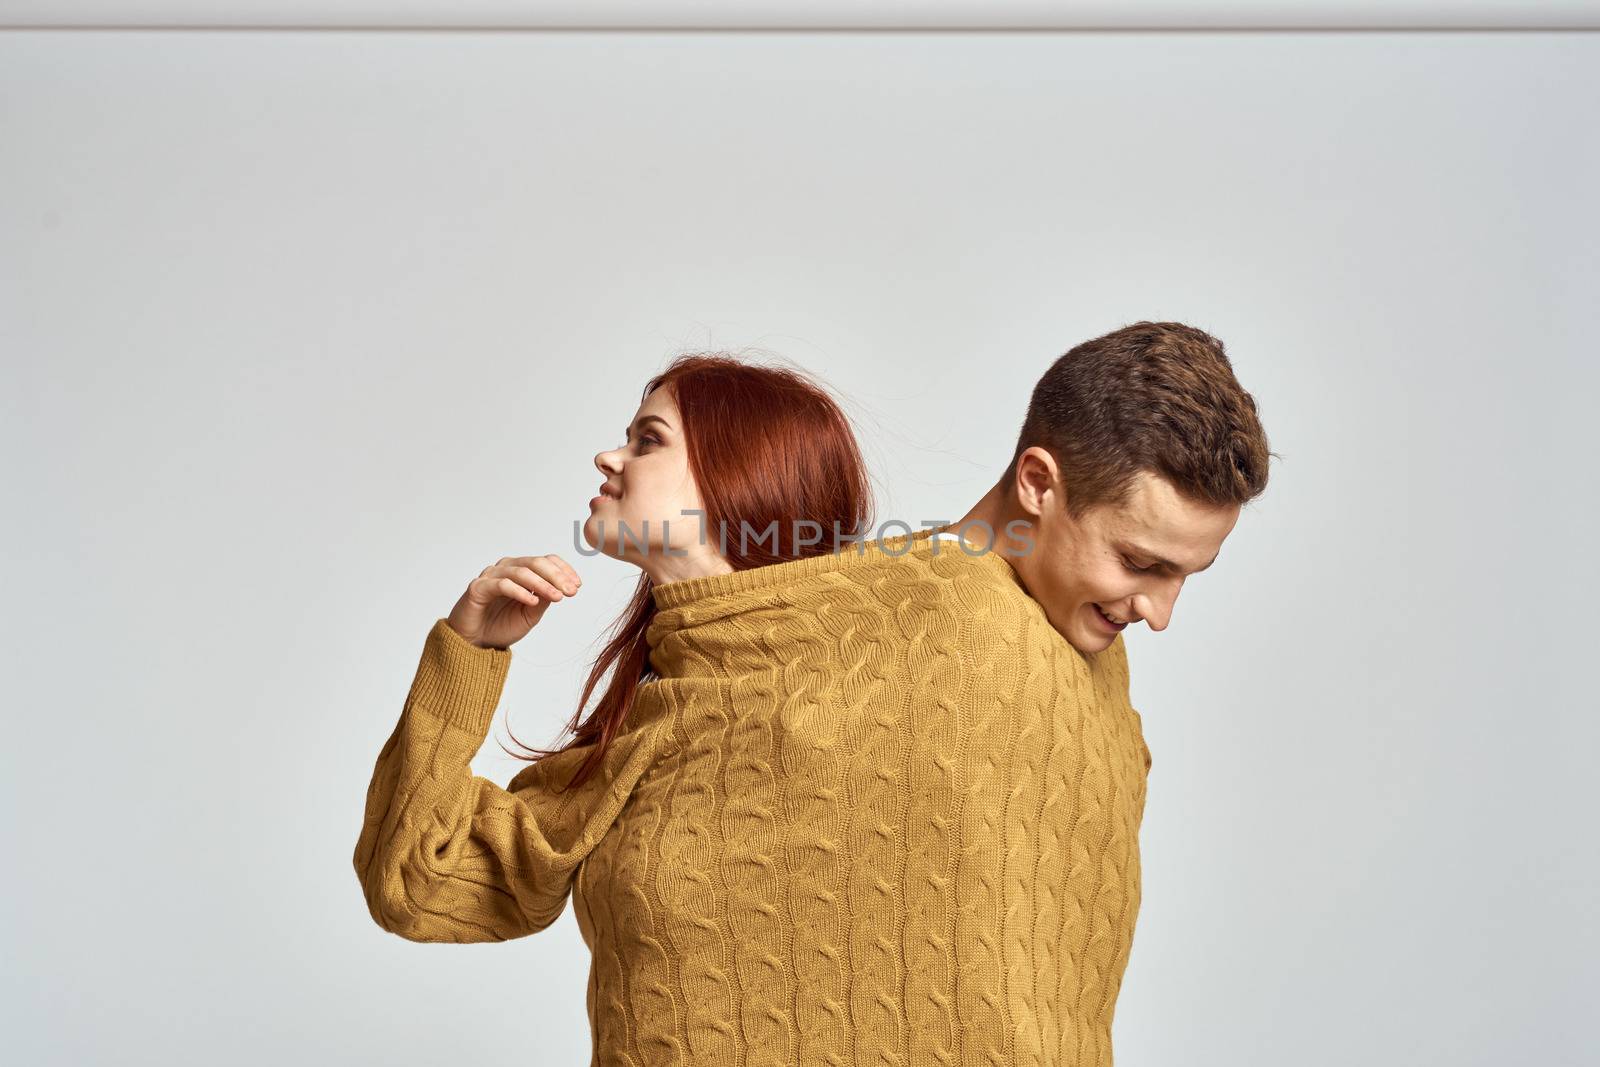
x: 989, y: 517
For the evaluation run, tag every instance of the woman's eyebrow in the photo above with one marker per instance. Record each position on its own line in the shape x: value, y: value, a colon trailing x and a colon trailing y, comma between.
x: 644, y: 419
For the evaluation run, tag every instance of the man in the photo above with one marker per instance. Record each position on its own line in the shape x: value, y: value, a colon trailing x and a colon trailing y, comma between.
x: 1137, y: 453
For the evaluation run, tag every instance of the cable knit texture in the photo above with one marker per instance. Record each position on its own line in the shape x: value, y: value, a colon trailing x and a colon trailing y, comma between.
x: 875, y: 810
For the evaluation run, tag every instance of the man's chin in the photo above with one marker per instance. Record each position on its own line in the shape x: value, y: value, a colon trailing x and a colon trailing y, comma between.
x: 1086, y: 636
x: 1079, y: 636
x: 1089, y: 647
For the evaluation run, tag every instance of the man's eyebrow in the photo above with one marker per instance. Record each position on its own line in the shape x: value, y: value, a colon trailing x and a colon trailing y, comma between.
x: 1163, y: 562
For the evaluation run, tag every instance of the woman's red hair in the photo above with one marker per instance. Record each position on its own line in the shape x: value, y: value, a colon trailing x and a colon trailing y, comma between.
x: 766, y: 445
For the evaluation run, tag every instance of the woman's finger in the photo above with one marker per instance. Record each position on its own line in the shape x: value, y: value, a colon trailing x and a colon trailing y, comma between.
x: 567, y: 567
x: 552, y: 568
x: 547, y: 567
x: 512, y: 591
x: 521, y: 577
x: 535, y: 581
x: 488, y: 587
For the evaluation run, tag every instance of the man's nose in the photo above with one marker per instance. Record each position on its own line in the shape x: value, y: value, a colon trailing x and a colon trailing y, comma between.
x: 1157, y: 610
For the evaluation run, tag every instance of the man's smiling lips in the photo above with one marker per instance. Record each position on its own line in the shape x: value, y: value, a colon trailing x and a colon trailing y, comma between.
x: 1109, y: 623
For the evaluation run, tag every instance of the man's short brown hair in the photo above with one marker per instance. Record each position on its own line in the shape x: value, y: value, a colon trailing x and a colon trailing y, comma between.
x: 1153, y: 396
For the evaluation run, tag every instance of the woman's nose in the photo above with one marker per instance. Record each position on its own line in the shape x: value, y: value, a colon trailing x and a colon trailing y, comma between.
x: 604, y: 462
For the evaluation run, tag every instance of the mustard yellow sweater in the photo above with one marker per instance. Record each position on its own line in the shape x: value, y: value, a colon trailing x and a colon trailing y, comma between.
x: 875, y: 810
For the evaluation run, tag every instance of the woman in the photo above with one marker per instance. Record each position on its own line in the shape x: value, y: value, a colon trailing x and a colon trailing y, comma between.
x: 726, y: 467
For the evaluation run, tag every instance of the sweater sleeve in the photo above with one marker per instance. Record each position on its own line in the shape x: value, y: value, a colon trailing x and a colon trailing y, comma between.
x: 445, y: 855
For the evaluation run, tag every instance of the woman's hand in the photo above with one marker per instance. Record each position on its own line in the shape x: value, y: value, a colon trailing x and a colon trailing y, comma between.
x: 509, y: 598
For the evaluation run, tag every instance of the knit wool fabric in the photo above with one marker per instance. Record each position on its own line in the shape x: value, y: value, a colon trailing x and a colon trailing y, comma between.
x: 874, y: 809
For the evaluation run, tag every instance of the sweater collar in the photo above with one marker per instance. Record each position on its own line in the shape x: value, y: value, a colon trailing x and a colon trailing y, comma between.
x: 711, y: 612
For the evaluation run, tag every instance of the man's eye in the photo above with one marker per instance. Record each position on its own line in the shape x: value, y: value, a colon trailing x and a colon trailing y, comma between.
x: 1131, y: 567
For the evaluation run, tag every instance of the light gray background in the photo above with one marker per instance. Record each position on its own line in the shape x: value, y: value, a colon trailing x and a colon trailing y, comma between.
x: 301, y: 330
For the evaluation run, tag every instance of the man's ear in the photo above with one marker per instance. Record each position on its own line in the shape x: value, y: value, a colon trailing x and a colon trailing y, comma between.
x: 1036, y: 480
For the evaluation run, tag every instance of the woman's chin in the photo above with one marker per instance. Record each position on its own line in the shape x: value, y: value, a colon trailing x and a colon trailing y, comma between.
x: 601, y: 536
x: 591, y: 534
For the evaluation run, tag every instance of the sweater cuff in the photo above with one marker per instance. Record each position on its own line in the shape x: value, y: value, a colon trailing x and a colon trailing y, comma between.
x: 459, y: 682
